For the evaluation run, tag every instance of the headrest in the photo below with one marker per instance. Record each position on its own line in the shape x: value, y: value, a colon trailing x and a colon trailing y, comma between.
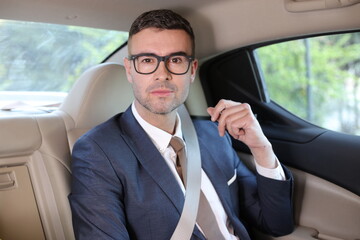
x: 101, y: 92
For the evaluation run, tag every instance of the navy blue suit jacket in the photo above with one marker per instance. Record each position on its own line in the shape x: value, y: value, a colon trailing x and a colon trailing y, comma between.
x: 123, y: 189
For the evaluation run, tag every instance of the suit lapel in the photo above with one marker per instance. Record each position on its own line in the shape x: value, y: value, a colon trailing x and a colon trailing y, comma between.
x: 150, y: 158
x: 216, y: 176
x: 219, y: 181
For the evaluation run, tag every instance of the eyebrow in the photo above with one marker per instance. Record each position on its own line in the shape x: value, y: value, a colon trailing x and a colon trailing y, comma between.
x: 174, y: 53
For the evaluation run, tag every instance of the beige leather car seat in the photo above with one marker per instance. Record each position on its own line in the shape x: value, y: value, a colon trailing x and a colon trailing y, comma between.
x: 35, y: 155
x: 100, y: 93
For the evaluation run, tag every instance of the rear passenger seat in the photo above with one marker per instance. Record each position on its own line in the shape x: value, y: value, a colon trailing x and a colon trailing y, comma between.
x: 35, y: 155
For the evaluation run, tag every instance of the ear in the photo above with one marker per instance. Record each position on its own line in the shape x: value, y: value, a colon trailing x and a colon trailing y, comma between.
x: 194, y: 66
x: 128, y: 68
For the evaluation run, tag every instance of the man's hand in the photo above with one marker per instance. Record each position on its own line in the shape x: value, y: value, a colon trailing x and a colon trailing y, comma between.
x: 240, y: 122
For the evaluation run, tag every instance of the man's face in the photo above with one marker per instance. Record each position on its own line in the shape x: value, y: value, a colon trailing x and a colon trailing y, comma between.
x: 160, y: 92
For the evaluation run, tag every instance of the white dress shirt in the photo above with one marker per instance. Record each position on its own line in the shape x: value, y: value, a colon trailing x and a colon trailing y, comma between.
x: 161, y: 139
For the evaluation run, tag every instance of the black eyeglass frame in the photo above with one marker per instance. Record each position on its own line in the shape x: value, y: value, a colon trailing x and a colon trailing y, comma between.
x: 161, y: 59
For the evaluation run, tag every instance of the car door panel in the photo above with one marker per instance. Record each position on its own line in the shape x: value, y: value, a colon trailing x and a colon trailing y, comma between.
x: 322, y: 210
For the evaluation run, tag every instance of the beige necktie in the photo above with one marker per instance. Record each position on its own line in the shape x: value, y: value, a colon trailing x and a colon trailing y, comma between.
x: 206, y: 217
x: 178, y: 145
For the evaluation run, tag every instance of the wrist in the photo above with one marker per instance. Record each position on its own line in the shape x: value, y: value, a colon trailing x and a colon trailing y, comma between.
x: 265, y: 156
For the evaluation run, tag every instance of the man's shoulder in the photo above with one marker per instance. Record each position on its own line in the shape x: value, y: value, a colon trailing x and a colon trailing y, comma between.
x: 104, y: 130
x: 208, y: 130
x: 109, y: 125
x: 203, y: 123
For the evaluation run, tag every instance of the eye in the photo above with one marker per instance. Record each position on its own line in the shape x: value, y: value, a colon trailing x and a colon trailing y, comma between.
x: 146, y: 60
x: 177, y: 59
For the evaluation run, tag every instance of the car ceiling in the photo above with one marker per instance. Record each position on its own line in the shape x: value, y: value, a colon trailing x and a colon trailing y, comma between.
x: 219, y: 25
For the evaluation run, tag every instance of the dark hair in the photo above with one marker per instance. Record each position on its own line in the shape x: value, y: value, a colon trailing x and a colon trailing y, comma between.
x: 162, y: 19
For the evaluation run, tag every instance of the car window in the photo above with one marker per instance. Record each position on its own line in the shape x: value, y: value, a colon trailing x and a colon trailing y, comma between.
x: 317, y: 79
x: 39, y: 62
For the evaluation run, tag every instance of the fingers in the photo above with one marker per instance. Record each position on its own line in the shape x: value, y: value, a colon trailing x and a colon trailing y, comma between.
x: 240, y: 122
x: 235, y: 120
x: 231, y: 116
x: 215, y: 112
x: 210, y: 111
x: 236, y: 128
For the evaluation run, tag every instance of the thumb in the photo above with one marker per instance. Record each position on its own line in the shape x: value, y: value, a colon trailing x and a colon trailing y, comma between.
x: 210, y: 110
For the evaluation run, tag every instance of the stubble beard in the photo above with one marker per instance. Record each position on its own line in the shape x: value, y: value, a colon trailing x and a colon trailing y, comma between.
x: 163, y: 110
x: 162, y: 105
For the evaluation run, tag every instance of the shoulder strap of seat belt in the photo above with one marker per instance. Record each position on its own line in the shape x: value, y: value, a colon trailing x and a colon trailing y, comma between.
x: 185, y: 226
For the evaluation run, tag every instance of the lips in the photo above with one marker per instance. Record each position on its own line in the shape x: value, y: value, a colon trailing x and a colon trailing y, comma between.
x: 162, y: 92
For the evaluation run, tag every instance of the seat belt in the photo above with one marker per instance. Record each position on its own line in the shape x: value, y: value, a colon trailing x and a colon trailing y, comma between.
x: 185, y: 226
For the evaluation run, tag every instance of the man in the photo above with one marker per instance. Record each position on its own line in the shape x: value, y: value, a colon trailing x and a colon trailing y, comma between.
x: 125, y: 184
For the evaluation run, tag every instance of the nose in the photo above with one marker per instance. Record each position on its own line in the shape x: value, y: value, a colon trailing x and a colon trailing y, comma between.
x: 162, y: 73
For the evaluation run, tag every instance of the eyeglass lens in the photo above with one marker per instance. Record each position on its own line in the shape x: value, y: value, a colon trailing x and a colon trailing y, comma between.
x: 176, y: 64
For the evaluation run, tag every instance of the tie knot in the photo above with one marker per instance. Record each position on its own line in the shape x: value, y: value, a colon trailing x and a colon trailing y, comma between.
x: 177, y: 144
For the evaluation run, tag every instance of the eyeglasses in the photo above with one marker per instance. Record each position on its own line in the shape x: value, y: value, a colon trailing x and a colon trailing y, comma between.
x: 147, y: 63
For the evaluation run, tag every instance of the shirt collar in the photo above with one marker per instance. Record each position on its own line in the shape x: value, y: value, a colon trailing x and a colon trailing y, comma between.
x: 159, y: 137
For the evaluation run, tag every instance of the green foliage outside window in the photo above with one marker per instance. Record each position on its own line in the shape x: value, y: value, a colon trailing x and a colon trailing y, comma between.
x: 318, y: 79
x: 48, y: 57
